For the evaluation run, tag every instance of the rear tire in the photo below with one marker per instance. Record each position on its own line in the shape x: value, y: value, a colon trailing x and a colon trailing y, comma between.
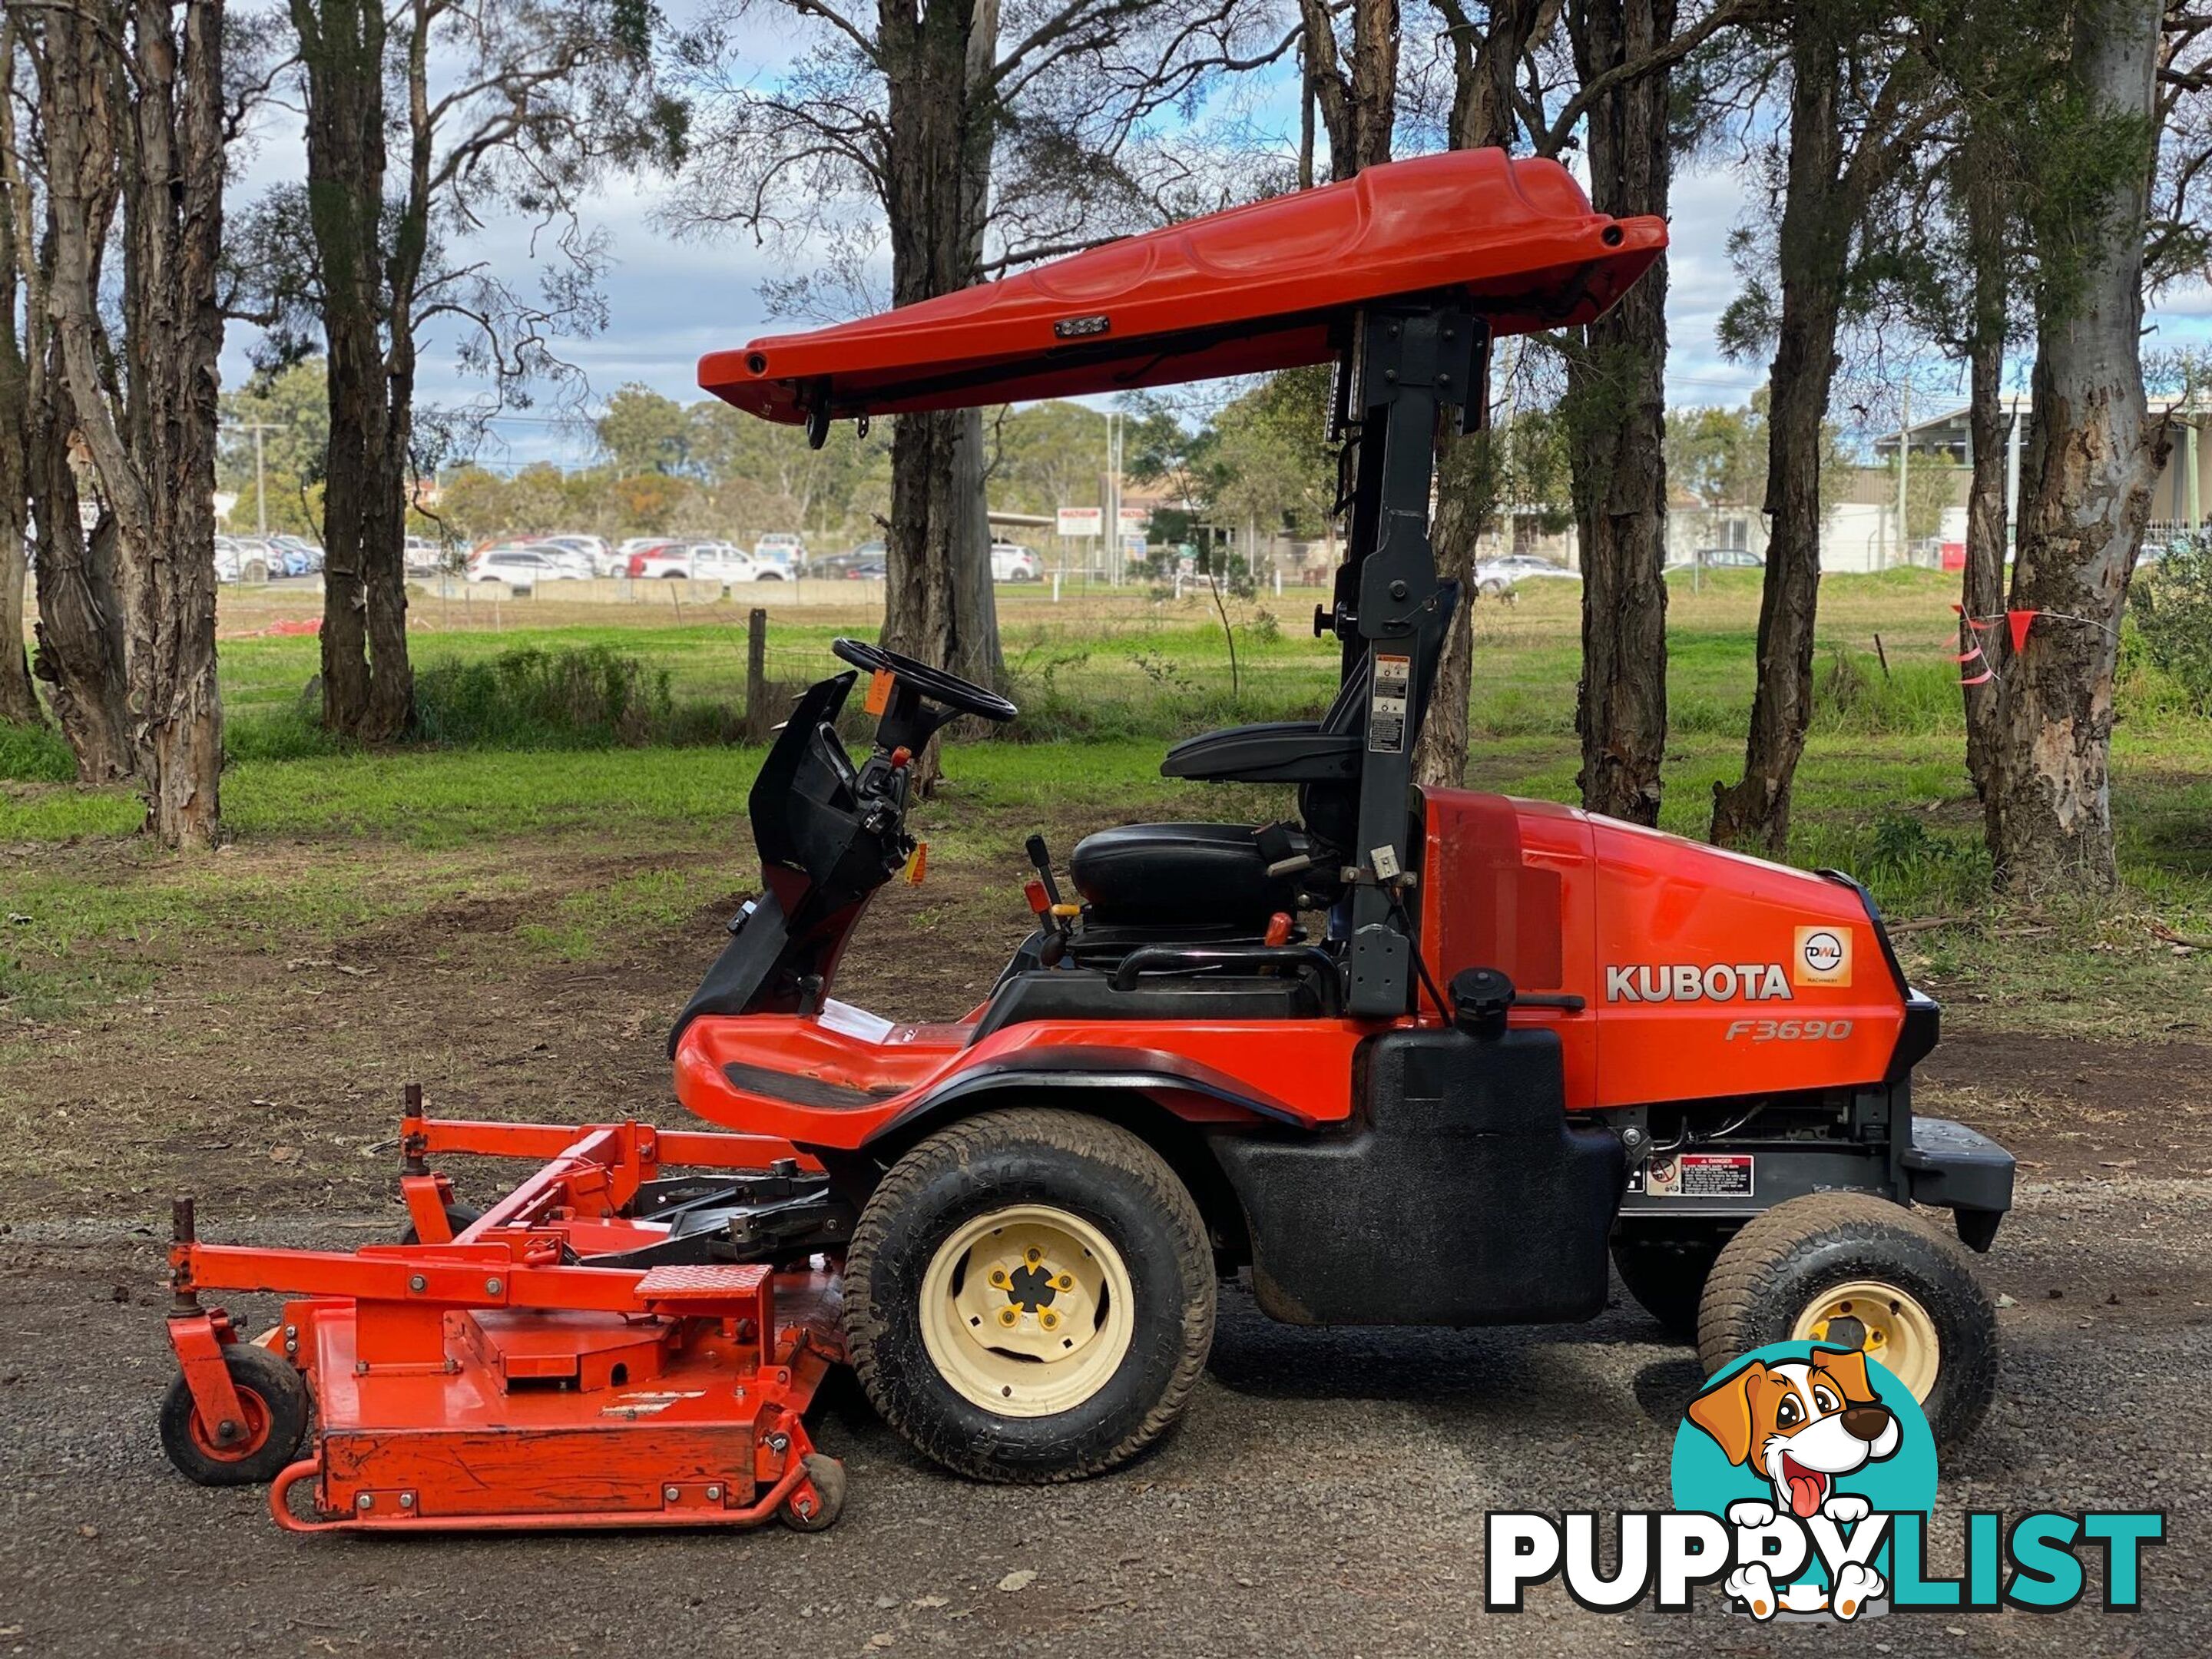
x: 1919, y: 1308
x: 1088, y: 1312
x: 1665, y: 1269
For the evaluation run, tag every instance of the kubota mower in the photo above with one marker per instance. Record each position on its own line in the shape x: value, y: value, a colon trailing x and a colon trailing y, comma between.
x: 1420, y: 1057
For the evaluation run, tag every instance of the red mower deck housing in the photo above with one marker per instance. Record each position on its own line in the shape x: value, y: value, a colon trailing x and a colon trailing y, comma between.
x: 483, y: 1379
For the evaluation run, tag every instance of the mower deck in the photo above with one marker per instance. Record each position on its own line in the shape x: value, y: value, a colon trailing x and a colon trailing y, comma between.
x: 508, y: 1376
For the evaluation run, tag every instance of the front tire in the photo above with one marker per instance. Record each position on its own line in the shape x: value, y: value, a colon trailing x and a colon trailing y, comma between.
x: 1030, y: 1296
x: 1858, y: 1270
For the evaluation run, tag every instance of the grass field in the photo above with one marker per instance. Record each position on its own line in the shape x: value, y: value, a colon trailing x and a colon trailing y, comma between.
x: 326, y: 840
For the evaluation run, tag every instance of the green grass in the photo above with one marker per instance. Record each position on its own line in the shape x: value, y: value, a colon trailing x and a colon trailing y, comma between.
x: 327, y: 840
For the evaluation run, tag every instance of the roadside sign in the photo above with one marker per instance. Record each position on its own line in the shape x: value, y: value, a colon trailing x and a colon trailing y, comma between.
x: 1135, y: 520
x: 1082, y: 520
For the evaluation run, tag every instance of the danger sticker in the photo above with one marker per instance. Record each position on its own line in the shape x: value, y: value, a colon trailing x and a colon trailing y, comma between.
x: 1387, y: 704
x: 1699, y: 1174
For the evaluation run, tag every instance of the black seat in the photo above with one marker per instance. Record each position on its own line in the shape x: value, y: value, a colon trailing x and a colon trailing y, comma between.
x: 1179, y: 873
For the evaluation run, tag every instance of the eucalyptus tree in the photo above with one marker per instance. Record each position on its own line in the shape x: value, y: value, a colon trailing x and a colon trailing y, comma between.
x: 134, y: 117
x: 493, y: 107
x: 1863, y: 94
x: 962, y: 138
x: 2093, y: 450
x: 19, y: 697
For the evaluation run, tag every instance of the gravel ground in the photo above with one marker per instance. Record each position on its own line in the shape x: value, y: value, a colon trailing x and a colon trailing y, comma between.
x: 1325, y: 1494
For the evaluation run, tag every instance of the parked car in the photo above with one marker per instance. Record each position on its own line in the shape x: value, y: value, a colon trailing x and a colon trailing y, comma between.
x: 256, y: 559
x: 783, y: 549
x: 657, y: 559
x: 840, y: 565
x: 1012, y: 563
x: 301, y: 556
x: 422, y: 555
x: 719, y: 561
x: 1497, y: 575
x: 574, y: 562
x: 520, y: 565
x: 866, y: 570
x: 1721, y: 558
x: 600, y: 559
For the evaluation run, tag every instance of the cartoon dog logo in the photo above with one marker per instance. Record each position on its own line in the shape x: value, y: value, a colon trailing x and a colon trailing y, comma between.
x: 1800, y: 1424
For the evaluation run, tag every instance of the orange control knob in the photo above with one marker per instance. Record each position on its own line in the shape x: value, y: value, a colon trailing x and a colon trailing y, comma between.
x: 1278, y: 928
x: 900, y: 756
x: 1039, y: 900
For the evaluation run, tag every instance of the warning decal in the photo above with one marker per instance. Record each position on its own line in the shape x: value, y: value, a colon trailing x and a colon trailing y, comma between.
x: 1387, y: 704
x: 1700, y: 1175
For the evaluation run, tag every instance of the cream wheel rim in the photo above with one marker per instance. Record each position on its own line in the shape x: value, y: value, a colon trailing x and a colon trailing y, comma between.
x: 1027, y: 1311
x: 1899, y: 1331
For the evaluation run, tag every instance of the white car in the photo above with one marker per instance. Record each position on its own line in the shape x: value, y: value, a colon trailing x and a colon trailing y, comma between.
x: 781, y: 549
x: 1497, y: 575
x: 424, y: 556
x: 719, y: 561
x: 250, y: 561
x: 1012, y: 563
x: 520, y: 565
x: 599, y: 557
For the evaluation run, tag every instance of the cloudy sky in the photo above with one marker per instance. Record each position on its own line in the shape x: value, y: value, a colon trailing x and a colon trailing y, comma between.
x: 669, y: 301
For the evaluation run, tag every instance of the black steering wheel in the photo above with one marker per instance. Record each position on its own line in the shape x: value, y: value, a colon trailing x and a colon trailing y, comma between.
x: 949, y: 691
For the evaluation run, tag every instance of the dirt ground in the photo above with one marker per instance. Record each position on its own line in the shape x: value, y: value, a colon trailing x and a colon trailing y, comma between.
x: 1326, y: 1494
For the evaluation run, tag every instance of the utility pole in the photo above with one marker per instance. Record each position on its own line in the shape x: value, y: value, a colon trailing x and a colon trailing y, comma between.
x: 1903, y: 466
x: 1113, y: 525
x: 260, y: 476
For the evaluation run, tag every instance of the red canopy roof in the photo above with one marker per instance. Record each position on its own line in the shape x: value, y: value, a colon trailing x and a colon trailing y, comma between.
x: 1255, y: 288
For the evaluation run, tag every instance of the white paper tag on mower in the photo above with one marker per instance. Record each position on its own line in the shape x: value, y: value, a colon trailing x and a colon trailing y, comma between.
x: 846, y: 1020
x: 1387, y: 704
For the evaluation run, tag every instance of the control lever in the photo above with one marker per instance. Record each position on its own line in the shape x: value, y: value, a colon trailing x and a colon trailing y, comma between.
x: 1041, y: 861
x: 1056, y: 917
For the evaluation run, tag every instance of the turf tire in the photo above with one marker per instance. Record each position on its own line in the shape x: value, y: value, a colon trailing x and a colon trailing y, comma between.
x: 1781, y: 1260
x: 1092, y: 1169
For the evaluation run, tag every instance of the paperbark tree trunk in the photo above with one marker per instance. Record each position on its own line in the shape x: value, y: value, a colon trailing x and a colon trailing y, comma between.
x: 80, y: 654
x: 1357, y: 100
x: 155, y: 455
x: 1817, y: 222
x: 1982, y: 584
x: 1617, y: 427
x: 2093, y: 454
x: 366, y: 689
x: 19, y: 695
x: 938, y: 603
x: 80, y: 628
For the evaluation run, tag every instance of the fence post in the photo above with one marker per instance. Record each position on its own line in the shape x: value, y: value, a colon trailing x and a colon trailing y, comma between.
x: 757, y: 695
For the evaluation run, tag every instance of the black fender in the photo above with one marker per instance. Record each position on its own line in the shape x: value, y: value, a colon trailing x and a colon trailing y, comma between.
x: 1128, y: 1075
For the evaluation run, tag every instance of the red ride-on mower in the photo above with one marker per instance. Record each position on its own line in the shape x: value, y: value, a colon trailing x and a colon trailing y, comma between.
x: 1410, y: 1056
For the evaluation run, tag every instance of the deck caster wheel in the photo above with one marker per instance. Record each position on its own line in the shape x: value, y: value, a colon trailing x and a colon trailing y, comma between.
x: 816, y: 1511
x: 1858, y: 1271
x: 457, y: 1216
x: 275, y: 1400
x: 1030, y: 1296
